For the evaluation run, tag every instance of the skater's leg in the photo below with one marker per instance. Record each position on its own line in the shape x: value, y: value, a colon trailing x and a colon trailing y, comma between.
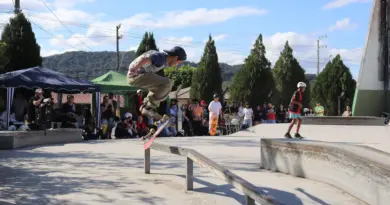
x: 299, y: 124
x: 291, y: 125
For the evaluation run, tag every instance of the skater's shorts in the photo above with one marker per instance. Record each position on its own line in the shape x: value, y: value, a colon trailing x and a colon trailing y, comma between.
x: 295, y: 116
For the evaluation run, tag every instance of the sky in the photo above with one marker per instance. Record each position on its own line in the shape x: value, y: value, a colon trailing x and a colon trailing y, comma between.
x: 90, y: 25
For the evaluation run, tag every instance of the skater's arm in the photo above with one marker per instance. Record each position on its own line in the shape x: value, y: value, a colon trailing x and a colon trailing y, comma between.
x: 143, y: 61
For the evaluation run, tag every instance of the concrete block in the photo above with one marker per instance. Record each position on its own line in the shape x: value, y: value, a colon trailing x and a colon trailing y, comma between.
x: 361, y: 171
x: 19, y: 139
x: 337, y: 120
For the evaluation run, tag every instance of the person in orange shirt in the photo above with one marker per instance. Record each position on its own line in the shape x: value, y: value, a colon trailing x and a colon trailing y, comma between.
x: 197, y: 117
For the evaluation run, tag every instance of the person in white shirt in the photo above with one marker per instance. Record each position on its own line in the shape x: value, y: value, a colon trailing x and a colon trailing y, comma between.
x: 215, y: 107
x: 248, y: 115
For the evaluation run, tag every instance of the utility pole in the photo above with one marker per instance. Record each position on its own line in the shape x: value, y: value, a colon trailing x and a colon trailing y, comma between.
x: 318, y: 52
x: 17, y: 7
x: 118, y: 37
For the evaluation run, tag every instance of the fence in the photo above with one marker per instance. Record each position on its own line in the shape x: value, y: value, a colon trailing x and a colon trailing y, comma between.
x: 251, y: 192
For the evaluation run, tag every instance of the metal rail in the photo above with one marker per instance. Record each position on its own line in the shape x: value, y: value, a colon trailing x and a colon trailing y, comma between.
x: 251, y: 192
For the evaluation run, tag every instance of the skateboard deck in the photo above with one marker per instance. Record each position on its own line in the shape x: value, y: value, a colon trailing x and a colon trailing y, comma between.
x: 150, y: 141
x: 213, y: 124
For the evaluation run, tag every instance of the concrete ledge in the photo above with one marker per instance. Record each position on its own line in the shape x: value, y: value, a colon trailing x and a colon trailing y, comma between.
x: 19, y: 139
x: 337, y: 120
x: 361, y: 171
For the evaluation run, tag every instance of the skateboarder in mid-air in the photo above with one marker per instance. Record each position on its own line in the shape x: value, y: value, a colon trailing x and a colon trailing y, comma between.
x: 142, y: 74
x: 295, y: 110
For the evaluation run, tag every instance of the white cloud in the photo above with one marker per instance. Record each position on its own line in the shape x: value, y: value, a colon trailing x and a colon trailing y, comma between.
x: 175, y: 19
x: 51, y: 52
x: 305, y: 50
x: 343, y: 24
x: 341, y: 3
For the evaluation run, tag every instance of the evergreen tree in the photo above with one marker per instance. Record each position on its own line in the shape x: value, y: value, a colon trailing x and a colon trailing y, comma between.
x: 287, y: 73
x: 147, y: 43
x: 330, y: 83
x: 22, y: 49
x: 254, y: 82
x: 3, y: 59
x: 207, y: 79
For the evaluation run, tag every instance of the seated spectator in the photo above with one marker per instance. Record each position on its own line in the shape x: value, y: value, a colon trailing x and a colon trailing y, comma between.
x: 125, y: 128
x: 281, y: 114
x: 89, y: 126
x: 347, y: 112
x: 141, y: 127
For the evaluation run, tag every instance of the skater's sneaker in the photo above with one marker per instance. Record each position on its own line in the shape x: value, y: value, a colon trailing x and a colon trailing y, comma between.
x: 150, y: 113
x: 298, y: 136
x: 287, y: 135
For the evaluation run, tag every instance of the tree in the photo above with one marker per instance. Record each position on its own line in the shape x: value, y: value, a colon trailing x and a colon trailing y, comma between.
x: 147, y: 43
x: 254, y: 82
x: 207, y: 79
x: 287, y: 73
x: 181, y: 76
x: 330, y: 83
x: 22, y: 49
x: 3, y: 59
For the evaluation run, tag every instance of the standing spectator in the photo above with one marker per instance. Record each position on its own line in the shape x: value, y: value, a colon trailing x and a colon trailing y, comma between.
x: 319, y: 110
x: 271, y: 114
x: 216, y: 108
x: 295, y: 110
x: 264, y: 113
x: 108, y: 114
x: 187, y: 126
x: 234, y: 108
x: 138, y: 101
x: 347, y: 112
x: 248, y: 115
x: 114, y: 102
x: 257, y: 115
x: 281, y: 114
x: 34, y: 108
x: 173, y: 111
x: 197, y: 118
x: 240, y: 111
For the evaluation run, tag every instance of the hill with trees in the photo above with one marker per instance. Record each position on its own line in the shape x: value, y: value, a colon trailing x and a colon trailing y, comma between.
x: 89, y: 65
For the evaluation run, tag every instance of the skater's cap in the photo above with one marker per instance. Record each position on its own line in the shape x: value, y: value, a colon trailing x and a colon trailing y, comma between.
x: 177, y: 51
x: 215, y: 96
x: 139, y: 90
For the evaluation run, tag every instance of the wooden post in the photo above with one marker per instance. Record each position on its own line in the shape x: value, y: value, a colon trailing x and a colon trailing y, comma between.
x: 249, y: 200
x: 147, y: 161
x: 190, y: 174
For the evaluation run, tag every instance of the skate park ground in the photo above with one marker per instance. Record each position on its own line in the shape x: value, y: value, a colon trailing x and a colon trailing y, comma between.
x: 111, y: 172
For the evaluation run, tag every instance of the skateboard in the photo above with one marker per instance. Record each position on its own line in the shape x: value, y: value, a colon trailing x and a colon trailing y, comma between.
x: 213, y: 124
x: 155, y: 134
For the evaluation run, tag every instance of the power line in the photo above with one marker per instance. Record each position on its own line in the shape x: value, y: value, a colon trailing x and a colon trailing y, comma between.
x: 64, y: 24
x: 53, y: 35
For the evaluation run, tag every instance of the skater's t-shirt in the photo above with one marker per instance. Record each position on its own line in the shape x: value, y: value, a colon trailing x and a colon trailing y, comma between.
x: 293, y: 108
x: 248, y: 112
x: 158, y: 62
x: 215, y: 107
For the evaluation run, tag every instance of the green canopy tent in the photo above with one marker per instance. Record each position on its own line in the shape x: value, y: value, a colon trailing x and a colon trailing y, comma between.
x: 114, y: 82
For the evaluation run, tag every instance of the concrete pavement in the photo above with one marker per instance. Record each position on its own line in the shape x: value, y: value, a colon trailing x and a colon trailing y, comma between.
x: 111, y: 172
